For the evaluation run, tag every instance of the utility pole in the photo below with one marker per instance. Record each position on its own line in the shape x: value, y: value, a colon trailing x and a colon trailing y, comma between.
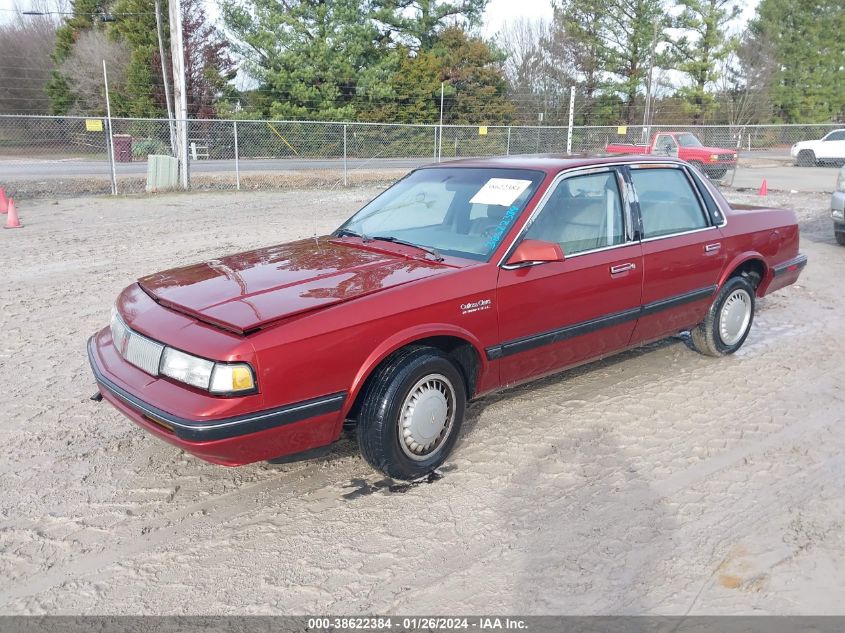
x: 647, y: 113
x: 110, y: 136
x: 165, y: 76
x: 440, y: 141
x: 180, y: 97
x: 571, y: 119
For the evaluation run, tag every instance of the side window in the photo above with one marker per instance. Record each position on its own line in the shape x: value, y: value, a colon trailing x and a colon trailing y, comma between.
x: 836, y: 136
x: 668, y: 203
x: 583, y: 213
x: 664, y: 143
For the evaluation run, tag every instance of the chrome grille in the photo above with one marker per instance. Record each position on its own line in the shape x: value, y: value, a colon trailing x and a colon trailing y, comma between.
x: 726, y: 157
x: 144, y: 353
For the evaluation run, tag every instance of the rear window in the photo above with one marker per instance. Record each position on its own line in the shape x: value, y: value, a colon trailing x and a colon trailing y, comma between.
x: 668, y: 203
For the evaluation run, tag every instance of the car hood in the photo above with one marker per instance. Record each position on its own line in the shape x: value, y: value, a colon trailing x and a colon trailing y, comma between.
x: 249, y: 290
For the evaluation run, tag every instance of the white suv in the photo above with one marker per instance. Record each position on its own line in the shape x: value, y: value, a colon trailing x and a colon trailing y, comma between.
x: 828, y: 149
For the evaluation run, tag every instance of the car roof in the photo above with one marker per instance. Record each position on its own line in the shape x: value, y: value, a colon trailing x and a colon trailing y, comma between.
x: 552, y: 163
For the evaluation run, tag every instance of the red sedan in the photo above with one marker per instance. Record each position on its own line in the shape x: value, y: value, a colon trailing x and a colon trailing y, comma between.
x: 460, y: 279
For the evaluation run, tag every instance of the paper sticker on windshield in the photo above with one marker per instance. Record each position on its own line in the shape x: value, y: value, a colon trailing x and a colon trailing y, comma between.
x: 500, y: 191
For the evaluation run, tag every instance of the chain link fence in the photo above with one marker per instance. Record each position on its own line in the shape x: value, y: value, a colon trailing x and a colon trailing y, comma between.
x: 73, y: 155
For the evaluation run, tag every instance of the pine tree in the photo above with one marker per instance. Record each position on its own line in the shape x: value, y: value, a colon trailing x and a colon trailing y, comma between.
x: 700, y: 49
x: 805, y: 39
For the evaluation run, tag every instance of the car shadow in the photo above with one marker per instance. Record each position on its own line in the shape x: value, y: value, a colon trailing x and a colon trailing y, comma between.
x: 347, y: 447
x: 476, y: 408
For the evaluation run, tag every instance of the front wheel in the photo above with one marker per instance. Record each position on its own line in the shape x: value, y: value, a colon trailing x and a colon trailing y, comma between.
x: 411, y: 413
x: 840, y: 238
x: 806, y: 158
x: 728, y: 320
x: 717, y: 173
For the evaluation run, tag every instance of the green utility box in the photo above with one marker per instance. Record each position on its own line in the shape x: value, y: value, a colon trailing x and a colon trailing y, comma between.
x: 162, y: 173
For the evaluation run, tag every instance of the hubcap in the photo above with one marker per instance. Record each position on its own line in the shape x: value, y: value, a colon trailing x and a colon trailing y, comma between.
x: 426, y: 417
x: 735, y: 317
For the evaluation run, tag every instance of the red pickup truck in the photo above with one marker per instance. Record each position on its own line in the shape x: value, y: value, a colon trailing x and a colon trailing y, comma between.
x: 713, y: 161
x: 459, y: 280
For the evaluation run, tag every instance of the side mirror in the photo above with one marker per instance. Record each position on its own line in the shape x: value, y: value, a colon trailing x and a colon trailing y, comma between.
x: 535, y: 251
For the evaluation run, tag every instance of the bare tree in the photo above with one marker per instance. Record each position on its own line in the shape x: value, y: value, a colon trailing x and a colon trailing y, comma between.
x: 539, y: 69
x: 25, y: 64
x: 527, y: 67
x: 84, y: 70
x: 745, y: 82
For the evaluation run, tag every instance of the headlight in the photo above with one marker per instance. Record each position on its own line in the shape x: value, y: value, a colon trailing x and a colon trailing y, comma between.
x: 186, y: 368
x: 218, y: 378
x: 714, y: 157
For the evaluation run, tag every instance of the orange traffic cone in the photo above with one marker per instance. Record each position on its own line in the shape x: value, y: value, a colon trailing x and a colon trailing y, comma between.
x: 12, y: 221
x: 4, y: 202
x: 764, y: 189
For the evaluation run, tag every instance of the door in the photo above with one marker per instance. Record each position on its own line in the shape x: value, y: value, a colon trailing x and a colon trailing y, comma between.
x: 665, y: 145
x: 683, y: 251
x: 556, y: 314
x: 832, y: 146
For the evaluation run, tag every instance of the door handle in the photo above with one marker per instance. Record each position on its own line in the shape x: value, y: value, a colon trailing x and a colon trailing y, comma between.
x: 621, y: 268
x: 710, y: 248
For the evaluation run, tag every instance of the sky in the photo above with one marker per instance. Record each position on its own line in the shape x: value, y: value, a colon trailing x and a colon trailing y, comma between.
x: 498, y: 13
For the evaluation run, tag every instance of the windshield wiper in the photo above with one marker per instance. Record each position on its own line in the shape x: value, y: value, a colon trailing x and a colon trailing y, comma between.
x: 350, y: 232
x: 395, y: 240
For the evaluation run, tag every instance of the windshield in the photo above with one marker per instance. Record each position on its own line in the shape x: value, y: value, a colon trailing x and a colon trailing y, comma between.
x: 460, y: 211
x: 688, y: 140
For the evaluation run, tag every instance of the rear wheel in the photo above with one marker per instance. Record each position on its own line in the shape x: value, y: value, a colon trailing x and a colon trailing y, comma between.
x: 728, y: 320
x: 840, y: 238
x: 411, y: 413
x: 806, y: 158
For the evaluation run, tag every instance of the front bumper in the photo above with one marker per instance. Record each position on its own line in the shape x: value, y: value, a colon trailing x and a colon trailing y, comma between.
x: 230, y: 441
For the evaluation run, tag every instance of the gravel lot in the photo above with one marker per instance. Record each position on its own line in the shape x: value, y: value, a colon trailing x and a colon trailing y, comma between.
x: 658, y: 481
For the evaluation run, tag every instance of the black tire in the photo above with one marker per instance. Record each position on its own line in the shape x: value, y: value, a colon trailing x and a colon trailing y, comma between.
x: 383, y: 400
x: 806, y: 158
x: 717, y: 173
x: 706, y: 337
x: 840, y: 238
x: 698, y: 165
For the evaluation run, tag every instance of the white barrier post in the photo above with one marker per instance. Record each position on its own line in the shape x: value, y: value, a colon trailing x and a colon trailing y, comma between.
x: 237, y: 157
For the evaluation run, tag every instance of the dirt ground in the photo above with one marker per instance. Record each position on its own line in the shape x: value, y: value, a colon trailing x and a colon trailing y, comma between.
x: 655, y: 482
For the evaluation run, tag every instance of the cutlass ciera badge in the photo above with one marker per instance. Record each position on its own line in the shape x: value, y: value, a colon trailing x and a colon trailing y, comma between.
x: 476, y: 306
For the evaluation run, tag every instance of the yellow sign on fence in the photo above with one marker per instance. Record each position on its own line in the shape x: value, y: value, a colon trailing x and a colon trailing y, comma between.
x: 93, y: 125
x: 622, y: 130
x: 482, y: 130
